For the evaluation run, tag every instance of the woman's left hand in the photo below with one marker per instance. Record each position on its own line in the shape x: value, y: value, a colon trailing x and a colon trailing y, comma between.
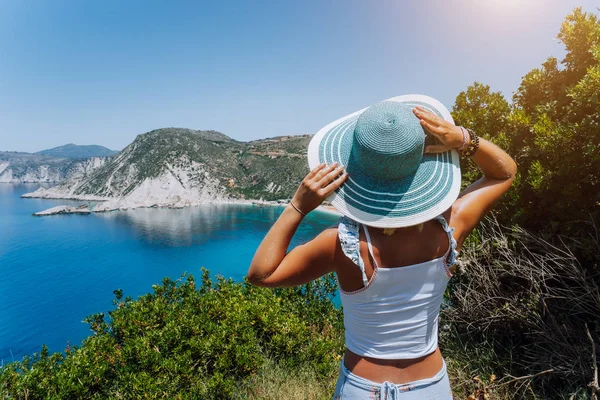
x: 317, y: 185
x: 449, y: 135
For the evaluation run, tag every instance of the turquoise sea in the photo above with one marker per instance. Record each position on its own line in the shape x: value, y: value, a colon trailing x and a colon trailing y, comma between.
x: 56, y: 270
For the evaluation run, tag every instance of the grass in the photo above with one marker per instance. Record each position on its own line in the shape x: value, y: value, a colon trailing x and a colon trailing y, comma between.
x: 275, y: 382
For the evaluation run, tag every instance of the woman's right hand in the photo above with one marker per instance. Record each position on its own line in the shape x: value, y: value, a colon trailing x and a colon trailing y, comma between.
x: 272, y: 266
x: 317, y: 185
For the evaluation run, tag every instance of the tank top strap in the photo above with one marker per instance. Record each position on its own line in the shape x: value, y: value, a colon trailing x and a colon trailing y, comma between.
x: 368, y: 236
x: 452, y: 252
x: 349, y: 235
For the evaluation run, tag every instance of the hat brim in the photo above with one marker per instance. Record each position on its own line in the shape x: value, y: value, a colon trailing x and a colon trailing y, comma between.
x: 384, y: 203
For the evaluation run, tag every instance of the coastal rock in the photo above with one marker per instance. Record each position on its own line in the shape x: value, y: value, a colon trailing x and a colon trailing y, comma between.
x: 59, y: 193
x: 63, y: 210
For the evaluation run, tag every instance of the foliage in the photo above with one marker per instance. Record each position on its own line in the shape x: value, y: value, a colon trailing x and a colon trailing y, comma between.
x: 525, y: 300
x: 522, y: 306
x: 553, y: 131
x: 180, y: 342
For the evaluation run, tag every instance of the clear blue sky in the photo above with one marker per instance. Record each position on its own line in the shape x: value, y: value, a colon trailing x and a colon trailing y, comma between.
x: 101, y: 72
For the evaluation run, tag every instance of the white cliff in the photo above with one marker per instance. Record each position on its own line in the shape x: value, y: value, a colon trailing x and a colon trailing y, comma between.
x: 31, y: 168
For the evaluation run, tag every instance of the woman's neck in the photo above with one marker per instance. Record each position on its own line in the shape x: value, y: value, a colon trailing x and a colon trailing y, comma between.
x: 409, y: 229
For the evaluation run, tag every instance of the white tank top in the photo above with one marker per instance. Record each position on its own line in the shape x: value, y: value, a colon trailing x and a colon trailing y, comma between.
x: 395, y: 314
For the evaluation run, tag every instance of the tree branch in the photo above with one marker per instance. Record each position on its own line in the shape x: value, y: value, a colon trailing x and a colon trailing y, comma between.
x: 519, y: 379
x: 593, y: 384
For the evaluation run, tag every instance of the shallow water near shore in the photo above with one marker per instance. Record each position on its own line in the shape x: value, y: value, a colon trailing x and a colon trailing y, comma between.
x: 56, y: 270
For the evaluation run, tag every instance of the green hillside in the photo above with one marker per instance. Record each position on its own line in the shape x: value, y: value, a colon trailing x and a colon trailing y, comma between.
x: 268, y: 169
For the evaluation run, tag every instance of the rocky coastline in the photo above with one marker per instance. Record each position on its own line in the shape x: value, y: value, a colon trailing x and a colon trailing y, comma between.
x: 178, y: 168
x: 108, y: 205
x: 58, y: 210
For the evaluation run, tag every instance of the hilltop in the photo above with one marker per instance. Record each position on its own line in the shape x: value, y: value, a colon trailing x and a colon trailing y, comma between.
x: 177, y: 167
x: 77, y: 151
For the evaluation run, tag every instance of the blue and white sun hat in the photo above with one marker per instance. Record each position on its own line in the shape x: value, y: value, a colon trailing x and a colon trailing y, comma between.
x: 391, y: 182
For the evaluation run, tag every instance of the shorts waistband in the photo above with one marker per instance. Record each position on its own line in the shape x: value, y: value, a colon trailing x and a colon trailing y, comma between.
x: 401, y: 387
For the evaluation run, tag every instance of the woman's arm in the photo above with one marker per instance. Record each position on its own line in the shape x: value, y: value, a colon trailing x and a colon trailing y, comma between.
x: 498, y: 169
x: 270, y: 265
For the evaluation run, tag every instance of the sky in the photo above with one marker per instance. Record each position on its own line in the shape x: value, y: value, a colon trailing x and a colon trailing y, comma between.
x: 102, y: 72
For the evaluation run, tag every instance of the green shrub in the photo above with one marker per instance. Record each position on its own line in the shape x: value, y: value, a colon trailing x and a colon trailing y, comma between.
x: 552, y: 130
x: 183, y: 342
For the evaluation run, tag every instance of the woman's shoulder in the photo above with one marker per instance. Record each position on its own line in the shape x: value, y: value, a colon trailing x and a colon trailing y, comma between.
x: 344, y: 229
x: 328, y: 238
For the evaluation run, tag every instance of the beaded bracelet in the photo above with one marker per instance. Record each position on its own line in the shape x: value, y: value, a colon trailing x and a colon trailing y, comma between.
x: 473, y: 145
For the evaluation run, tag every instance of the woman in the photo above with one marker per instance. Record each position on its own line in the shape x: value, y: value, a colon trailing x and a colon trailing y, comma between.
x: 392, y: 170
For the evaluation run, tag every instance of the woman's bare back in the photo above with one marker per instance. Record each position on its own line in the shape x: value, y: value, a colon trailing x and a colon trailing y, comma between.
x: 406, y: 246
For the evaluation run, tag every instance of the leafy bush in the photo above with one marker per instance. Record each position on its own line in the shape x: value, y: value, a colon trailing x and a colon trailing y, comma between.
x: 527, y: 300
x: 553, y: 131
x: 180, y: 342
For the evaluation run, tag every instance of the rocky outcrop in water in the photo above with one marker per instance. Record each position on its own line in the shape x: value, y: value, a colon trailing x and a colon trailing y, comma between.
x: 63, y: 210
